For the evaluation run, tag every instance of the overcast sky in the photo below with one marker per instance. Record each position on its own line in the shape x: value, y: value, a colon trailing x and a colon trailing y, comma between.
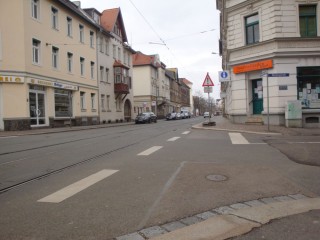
x: 186, y: 26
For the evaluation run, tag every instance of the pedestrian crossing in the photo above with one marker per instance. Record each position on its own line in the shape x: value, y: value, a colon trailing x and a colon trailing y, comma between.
x: 73, y: 189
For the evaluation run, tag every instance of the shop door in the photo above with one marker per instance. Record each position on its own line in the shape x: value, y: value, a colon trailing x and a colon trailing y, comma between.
x: 37, y: 108
x: 257, y: 96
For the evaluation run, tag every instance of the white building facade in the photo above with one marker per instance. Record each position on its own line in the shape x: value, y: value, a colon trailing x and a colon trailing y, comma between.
x: 272, y: 50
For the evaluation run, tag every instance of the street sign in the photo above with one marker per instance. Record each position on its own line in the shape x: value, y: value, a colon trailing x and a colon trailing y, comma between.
x: 207, y: 89
x: 224, y: 76
x: 278, y: 75
x: 207, y: 81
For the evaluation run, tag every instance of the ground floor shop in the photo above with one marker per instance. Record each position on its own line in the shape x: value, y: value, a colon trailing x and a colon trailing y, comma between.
x: 262, y: 90
x: 30, y: 102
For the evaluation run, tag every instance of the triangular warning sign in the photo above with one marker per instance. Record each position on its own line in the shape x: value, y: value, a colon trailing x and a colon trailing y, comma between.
x: 207, y: 81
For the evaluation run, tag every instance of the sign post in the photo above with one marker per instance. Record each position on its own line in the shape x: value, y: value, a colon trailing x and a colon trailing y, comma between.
x: 208, y: 84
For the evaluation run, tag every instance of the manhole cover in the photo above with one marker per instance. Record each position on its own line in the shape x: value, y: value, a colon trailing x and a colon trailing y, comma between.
x: 216, y: 178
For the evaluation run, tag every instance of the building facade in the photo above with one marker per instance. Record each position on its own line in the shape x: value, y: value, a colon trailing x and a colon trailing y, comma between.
x: 114, y: 69
x: 272, y: 50
x: 151, y: 88
x: 48, y: 63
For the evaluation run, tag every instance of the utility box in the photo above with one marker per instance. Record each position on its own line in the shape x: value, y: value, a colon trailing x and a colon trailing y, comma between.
x: 293, y: 114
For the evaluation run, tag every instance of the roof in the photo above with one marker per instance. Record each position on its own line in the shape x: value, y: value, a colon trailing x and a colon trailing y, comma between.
x: 140, y: 59
x: 109, y: 18
x: 186, y: 81
x: 77, y: 10
x: 119, y: 64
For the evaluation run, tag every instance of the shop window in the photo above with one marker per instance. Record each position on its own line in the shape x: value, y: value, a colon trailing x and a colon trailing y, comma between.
x: 252, y: 29
x: 63, y: 103
x: 308, y: 20
x: 309, y: 86
x: 312, y: 120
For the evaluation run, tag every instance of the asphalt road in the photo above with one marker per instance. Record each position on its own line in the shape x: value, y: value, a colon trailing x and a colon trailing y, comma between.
x: 131, y: 177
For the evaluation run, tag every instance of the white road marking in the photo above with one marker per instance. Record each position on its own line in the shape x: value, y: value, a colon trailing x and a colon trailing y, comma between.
x: 8, y: 137
x: 150, y: 151
x: 186, y: 132
x: 172, y: 139
x: 303, y: 142
x: 237, y: 138
x: 77, y: 187
x: 21, y: 159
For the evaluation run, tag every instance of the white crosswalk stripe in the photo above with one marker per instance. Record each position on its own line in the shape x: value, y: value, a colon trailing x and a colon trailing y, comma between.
x: 150, y: 151
x: 77, y: 187
x: 237, y: 138
x: 186, y: 132
x: 173, y: 139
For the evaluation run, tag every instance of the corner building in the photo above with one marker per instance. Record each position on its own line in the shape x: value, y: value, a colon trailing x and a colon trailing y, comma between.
x: 272, y: 50
x: 48, y: 75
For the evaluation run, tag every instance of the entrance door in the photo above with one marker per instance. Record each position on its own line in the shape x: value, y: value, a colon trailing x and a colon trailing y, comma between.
x: 127, y: 110
x: 257, y: 96
x: 37, y: 108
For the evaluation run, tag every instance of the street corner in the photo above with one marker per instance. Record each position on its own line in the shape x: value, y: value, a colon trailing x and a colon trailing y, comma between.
x: 203, y: 186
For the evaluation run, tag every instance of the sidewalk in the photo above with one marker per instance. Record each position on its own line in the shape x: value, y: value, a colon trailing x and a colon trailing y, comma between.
x: 222, y: 124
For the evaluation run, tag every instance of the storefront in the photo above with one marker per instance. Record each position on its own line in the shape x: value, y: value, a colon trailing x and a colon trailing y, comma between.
x: 31, y: 103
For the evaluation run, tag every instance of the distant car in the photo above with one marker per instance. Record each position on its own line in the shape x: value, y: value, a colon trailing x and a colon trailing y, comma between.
x: 171, y: 116
x: 206, y: 115
x: 183, y: 115
x: 146, y: 117
x: 178, y: 116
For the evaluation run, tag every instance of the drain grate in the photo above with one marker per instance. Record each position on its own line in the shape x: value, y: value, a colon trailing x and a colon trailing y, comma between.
x: 216, y: 178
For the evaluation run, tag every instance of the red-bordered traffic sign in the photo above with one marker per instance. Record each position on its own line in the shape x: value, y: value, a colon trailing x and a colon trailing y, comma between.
x: 207, y: 81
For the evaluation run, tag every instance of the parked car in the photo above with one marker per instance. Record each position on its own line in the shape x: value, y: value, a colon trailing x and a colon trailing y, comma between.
x: 206, y: 115
x: 171, y: 116
x: 178, y: 116
x: 183, y: 115
x: 186, y: 114
x: 146, y: 117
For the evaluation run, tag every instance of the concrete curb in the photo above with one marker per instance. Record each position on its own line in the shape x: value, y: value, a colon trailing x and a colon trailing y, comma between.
x: 241, y: 221
x: 198, y: 126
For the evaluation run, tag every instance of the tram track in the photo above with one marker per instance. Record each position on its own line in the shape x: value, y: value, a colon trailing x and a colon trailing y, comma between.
x: 84, y: 161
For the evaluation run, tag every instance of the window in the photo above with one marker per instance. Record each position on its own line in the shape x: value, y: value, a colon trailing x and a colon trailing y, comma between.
x: 103, y: 104
x: 69, y: 27
x: 309, y: 86
x: 92, y: 70
x: 101, y: 73
x: 63, y: 103
x: 35, y: 9
x: 54, y: 18
x: 81, y: 33
x: 106, y: 47
x: 36, y: 51
x: 108, y: 102
x: 308, y: 20
x: 119, y: 54
x: 81, y: 66
x: 252, y: 29
x: 93, y: 101
x: 70, y: 62
x: 114, y: 51
x: 55, y: 56
x: 101, y: 45
x: 91, y: 39
x: 82, y: 100
x: 107, y: 74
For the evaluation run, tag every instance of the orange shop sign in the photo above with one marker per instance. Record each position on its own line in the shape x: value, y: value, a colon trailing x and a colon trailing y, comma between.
x: 253, y: 66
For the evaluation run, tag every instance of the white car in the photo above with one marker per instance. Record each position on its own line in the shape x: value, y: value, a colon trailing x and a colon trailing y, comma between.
x: 206, y: 115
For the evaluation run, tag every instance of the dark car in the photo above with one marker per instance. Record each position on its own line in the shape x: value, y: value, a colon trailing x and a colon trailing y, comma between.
x: 146, y: 117
x: 171, y: 116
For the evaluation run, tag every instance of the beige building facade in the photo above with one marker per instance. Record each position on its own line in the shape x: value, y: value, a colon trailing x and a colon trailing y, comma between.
x: 48, y: 73
x: 272, y: 50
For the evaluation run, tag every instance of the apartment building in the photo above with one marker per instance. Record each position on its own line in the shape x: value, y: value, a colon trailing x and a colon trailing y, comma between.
x: 272, y: 50
x: 114, y: 66
x: 151, y: 88
x: 175, y: 89
x: 48, y: 65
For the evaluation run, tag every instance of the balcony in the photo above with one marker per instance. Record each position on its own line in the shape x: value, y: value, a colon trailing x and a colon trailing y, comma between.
x: 121, y: 88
